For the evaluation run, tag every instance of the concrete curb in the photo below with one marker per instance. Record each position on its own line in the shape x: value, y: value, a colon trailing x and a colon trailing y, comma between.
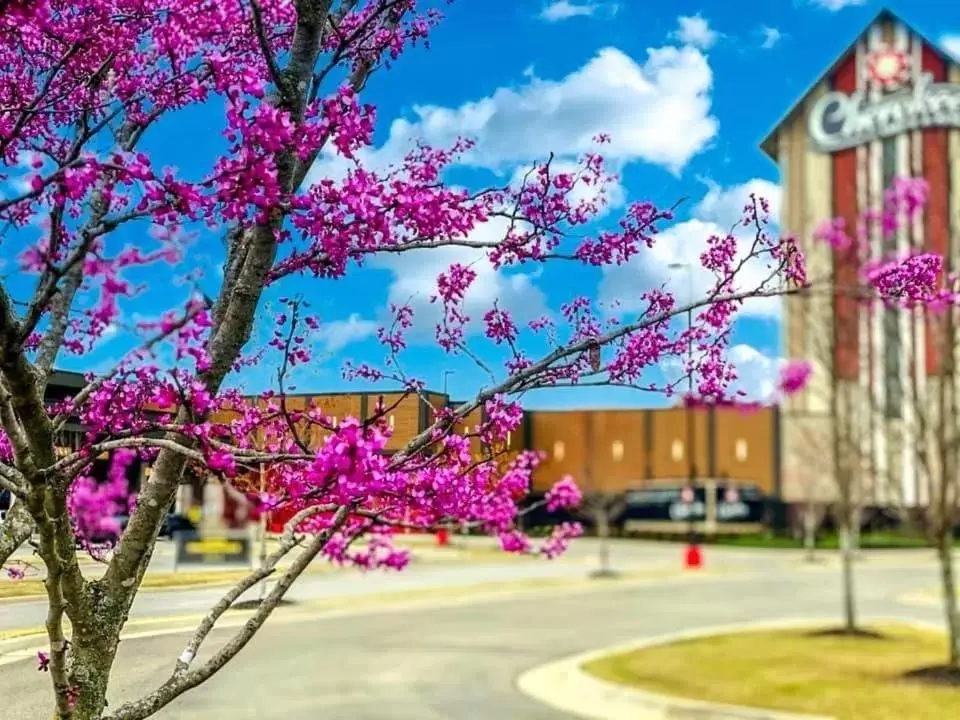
x: 563, y: 685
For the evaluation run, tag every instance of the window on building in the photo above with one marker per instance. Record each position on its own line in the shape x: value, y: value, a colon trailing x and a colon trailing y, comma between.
x: 740, y: 450
x: 616, y: 450
x: 558, y: 450
x: 676, y: 450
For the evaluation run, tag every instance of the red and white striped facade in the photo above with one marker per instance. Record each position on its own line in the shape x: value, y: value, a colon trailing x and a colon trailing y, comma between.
x: 876, y: 350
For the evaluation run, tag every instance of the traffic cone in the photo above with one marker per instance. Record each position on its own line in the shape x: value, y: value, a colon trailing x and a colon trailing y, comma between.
x: 693, y: 557
x: 443, y: 537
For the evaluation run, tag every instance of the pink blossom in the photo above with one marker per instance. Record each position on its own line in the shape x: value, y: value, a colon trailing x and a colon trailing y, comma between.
x: 794, y: 376
x: 563, y: 495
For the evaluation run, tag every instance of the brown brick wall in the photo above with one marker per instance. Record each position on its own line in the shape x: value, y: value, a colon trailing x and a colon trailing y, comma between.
x: 755, y: 432
x: 582, y: 436
x: 669, y: 427
x: 608, y: 428
x: 557, y: 431
x: 405, y: 414
x: 590, y: 435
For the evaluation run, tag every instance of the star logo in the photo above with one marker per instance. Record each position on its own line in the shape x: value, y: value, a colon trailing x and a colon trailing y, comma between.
x: 889, y: 68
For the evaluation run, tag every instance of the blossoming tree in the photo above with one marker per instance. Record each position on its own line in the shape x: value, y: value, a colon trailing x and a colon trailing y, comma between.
x: 86, y: 84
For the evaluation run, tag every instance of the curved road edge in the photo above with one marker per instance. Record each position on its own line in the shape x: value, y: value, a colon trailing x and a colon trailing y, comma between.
x: 564, y: 686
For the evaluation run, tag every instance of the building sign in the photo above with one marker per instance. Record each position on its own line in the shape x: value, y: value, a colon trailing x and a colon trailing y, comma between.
x: 839, y: 121
x: 712, y: 506
x: 194, y: 548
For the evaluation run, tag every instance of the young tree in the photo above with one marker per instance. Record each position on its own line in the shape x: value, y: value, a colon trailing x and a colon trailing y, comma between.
x: 77, y: 104
x: 884, y: 283
x: 934, y: 441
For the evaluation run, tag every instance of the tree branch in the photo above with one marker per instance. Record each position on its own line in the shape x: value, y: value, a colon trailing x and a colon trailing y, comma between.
x: 183, y: 678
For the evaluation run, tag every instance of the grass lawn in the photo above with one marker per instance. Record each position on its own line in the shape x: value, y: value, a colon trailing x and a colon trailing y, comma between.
x: 846, y: 678
x: 871, y: 541
x: 30, y: 588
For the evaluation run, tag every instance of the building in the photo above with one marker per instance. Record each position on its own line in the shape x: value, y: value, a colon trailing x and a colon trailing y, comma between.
x: 605, y: 450
x: 888, y: 107
x: 612, y: 451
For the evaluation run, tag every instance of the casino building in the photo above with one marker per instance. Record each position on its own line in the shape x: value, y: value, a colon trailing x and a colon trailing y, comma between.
x: 888, y: 107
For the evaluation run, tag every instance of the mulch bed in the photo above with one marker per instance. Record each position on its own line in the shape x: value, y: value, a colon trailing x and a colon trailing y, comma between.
x: 861, y: 633
x: 935, y: 675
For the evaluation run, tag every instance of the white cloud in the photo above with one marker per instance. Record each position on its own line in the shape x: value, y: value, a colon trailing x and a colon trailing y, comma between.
x: 951, y: 44
x: 674, y: 260
x: 657, y: 112
x: 416, y: 282
x: 694, y: 30
x: 724, y: 206
x: 757, y: 374
x: 771, y: 37
x: 337, y: 334
x: 834, y: 5
x: 612, y: 195
x: 564, y: 10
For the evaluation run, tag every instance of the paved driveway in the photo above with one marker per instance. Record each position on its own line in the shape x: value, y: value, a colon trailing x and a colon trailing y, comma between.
x: 460, y: 663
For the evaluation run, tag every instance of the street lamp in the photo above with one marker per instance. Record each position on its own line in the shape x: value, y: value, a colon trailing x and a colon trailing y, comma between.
x: 446, y: 374
x: 691, y: 447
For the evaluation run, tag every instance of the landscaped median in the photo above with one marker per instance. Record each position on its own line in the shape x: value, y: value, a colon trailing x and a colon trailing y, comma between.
x: 768, y: 672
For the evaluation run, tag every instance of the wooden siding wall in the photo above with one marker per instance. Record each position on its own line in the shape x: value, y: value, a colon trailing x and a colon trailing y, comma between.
x: 586, y: 439
x: 604, y: 450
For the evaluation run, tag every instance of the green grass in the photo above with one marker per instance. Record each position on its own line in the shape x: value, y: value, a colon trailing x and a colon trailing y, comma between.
x: 847, y: 678
x: 869, y: 541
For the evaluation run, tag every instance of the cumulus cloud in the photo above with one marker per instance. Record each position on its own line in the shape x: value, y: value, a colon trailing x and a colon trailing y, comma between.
x: 337, y: 334
x: 673, y: 262
x: 696, y: 31
x: 834, y: 5
x: 657, y: 112
x: 564, y: 10
x: 951, y: 44
x: 770, y: 37
x: 757, y: 373
x: 416, y: 282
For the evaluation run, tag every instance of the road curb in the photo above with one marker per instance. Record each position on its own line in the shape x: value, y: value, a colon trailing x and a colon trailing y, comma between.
x: 563, y: 684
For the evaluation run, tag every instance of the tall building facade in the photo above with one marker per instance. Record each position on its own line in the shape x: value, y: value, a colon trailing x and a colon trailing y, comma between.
x: 888, y: 107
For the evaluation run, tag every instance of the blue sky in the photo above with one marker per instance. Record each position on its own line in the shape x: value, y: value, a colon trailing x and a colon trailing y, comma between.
x: 687, y: 89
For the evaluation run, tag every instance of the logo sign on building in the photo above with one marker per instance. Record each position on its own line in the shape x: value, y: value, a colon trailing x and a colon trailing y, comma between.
x: 839, y: 121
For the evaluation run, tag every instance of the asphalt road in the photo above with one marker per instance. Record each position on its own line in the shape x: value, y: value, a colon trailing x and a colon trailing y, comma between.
x: 347, y: 583
x: 460, y: 663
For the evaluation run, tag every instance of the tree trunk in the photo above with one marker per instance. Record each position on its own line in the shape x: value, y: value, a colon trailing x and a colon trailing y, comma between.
x: 847, y: 558
x: 810, y: 532
x: 949, y: 583
x: 91, y: 660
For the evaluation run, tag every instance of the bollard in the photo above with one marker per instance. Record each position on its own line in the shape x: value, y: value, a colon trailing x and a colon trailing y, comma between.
x: 693, y: 557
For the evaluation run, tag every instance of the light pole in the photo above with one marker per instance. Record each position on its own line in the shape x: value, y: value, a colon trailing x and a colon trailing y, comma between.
x: 691, y: 430
x: 446, y: 374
